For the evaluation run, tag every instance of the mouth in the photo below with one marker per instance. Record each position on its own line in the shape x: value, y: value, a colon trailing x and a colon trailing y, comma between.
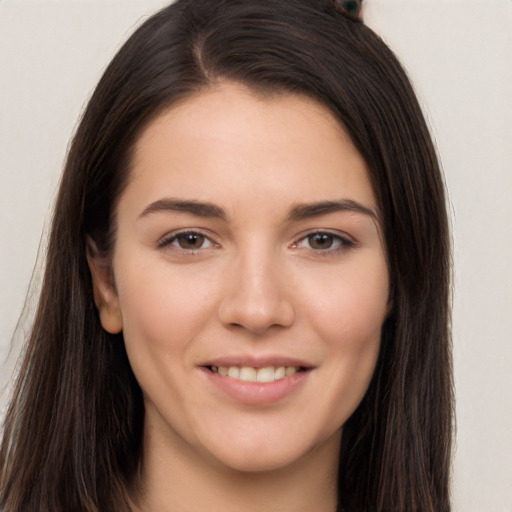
x: 266, y: 374
x: 256, y: 381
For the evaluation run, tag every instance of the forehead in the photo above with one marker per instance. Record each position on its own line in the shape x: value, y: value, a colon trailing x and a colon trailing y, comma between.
x: 230, y: 141
x: 224, y: 108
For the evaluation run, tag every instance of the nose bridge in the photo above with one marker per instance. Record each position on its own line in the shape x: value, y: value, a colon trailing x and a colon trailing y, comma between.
x: 257, y: 297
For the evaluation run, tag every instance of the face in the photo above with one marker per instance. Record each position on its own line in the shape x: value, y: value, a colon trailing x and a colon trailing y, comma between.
x: 249, y: 278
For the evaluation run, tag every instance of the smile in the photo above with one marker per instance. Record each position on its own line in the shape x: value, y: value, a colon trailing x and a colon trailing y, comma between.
x: 257, y: 383
x: 251, y: 374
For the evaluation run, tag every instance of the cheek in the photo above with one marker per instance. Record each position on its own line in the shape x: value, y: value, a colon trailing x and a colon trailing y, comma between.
x: 349, y: 319
x: 162, y: 311
x: 353, y: 303
x: 158, y: 295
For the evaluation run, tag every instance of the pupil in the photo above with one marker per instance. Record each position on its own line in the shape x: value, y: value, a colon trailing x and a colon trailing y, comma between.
x: 320, y: 241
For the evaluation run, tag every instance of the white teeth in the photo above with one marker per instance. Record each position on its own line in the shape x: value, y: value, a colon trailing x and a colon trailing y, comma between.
x: 280, y: 373
x: 265, y: 374
x: 249, y: 374
x: 233, y: 372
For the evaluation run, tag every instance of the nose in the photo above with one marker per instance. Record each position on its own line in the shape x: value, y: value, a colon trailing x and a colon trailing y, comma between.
x: 258, y: 297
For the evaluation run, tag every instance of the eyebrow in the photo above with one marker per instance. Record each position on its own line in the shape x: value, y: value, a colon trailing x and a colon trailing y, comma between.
x: 198, y: 208
x: 306, y: 211
x: 297, y: 213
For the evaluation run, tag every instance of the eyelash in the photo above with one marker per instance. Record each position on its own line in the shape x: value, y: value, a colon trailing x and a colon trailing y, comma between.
x: 341, y: 243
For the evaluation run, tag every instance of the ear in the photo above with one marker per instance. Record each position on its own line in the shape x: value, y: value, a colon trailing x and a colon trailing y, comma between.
x: 105, y: 295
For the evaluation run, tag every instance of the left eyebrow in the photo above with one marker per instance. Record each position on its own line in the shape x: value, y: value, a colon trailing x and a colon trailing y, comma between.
x: 306, y: 211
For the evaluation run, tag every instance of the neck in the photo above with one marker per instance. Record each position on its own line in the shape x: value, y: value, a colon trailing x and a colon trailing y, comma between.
x: 174, y: 480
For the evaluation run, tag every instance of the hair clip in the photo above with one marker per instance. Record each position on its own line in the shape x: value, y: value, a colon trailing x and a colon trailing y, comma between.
x: 349, y: 8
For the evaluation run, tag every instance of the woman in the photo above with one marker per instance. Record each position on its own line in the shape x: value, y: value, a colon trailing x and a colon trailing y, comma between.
x: 245, y: 304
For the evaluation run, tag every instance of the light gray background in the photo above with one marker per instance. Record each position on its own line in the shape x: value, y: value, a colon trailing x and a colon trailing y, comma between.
x: 458, y: 54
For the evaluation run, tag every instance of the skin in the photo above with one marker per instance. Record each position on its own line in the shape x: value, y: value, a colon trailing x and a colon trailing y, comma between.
x: 254, y: 285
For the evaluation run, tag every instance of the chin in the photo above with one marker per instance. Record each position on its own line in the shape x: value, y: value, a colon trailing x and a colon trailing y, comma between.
x: 273, y: 455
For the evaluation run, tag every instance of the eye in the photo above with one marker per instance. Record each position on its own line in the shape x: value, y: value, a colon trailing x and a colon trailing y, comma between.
x: 324, y: 241
x: 187, y: 241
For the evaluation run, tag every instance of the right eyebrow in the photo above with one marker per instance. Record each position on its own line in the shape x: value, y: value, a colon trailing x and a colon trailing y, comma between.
x: 198, y: 208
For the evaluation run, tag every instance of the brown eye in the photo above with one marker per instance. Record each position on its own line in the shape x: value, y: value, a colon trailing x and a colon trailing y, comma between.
x: 321, y: 241
x: 186, y: 242
x: 190, y: 240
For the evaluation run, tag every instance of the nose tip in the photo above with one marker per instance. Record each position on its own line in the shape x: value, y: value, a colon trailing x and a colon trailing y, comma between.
x: 256, y: 317
x: 257, y: 301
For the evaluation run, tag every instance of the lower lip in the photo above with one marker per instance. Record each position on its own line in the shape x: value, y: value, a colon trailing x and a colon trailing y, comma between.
x: 257, y: 393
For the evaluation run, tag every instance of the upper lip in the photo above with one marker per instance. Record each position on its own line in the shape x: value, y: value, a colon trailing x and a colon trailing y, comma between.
x: 257, y: 362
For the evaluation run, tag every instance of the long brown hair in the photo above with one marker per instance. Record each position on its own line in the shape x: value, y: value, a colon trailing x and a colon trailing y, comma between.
x: 72, y: 434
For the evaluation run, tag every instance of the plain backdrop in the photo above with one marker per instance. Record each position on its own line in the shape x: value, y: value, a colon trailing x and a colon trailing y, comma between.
x: 458, y: 54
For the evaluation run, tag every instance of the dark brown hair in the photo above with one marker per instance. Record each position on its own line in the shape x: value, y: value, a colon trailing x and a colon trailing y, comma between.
x: 72, y: 434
